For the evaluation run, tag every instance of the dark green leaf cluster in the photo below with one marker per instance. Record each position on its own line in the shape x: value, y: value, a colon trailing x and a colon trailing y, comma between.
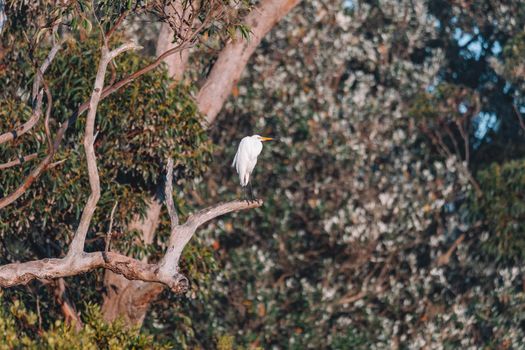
x: 138, y: 128
x: 502, y: 207
x: 445, y: 103
x: 37, y: 18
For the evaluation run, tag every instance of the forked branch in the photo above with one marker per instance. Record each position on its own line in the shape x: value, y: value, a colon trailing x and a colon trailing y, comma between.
x: 165, y: 272
x: 77, y: 245
x: 180, y: 235
x: 37, y: 99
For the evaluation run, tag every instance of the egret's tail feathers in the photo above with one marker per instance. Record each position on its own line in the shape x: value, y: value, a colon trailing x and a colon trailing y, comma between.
x: 244, y: 180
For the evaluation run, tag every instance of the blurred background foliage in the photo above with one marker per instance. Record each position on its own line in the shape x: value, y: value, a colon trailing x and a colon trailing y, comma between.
x: 394, y: 203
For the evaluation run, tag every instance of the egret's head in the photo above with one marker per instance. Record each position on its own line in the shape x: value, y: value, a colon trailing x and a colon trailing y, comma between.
x: 262, y: 138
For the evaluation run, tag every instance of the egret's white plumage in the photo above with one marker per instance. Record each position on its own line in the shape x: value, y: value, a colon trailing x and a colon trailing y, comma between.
x: 246, y: 157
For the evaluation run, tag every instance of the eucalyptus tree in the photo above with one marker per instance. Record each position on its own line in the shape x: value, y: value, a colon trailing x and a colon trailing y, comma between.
x: 91, y: 127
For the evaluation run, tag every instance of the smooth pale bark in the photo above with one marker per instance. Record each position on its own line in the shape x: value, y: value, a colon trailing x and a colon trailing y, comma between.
x: 230, y: 64
x: 176, y: 63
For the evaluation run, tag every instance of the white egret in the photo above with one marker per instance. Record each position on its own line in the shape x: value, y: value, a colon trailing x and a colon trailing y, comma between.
x: 246, y: 157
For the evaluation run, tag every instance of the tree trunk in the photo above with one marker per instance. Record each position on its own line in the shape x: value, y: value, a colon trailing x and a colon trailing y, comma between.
x: 130, y: 299
x: 235, y: 55
x: 176, y: 63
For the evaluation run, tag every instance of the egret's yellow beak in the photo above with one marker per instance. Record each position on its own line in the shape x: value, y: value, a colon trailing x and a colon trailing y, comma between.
x: 266, y: 138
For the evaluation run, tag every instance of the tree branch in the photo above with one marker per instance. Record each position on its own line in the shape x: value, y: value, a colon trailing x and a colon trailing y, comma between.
x: 68, y: 308
x: 43, y: 165
x: 165, y: 272
x: 22, y: 273
x: 18, y: 161
x: 77, y: 245
x: 169, y: 196
x: 181, y: 234
x: 181, y: 21
x: 37, y: 99
x: 110, y: 228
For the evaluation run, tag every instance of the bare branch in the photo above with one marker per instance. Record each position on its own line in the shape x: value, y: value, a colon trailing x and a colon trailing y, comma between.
x: 176, y: 63
x: 180, y: 25
x: 22, y: 273
x: 165, y: 272
x: 119, y: 21
x: 77, y: 245
x: 169, y: 196
x: 110, y: 228
x: 18, y: 161
x: 44, y: 164
x: 28, y: 125
x: 49, y: 97
x: 45, y: 65
x: 444, y: 258
x: 68, y: 308
x: 181, y: 235
x: 35, y: 174
x: 37, y: 99
x: 205, y: 215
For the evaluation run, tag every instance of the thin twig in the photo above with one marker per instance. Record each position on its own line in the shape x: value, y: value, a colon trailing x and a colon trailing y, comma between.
x: 48, y: 112
x: 519, y: 116
x: 445, y: 257
x: 18, y: 161
x: 110, y: 229
x: 57, y: 163
x: 117, y: 24
x: 38, y: 313
x: 174, y: 218
x: 37, y: 99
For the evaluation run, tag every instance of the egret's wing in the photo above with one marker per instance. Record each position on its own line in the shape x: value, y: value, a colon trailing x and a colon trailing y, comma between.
x: 235, y: 158
x: 240, y: 150
x: 242, y: 161
x: 242, y: 146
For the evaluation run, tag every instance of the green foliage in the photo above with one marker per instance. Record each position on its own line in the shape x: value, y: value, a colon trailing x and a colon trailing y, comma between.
x: 37, y: 18
x: 138, y: 128
x: 513, y: 53
x: 350, y: 340
x: 19, y: 329
x: 225, y: 342
x: 502, y: 208
x: 447, y: 102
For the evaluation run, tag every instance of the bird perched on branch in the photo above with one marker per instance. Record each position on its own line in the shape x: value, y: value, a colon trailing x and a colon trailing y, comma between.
x: 246, y: 157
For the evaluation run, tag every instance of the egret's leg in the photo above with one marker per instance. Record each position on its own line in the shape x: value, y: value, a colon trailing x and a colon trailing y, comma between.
x: 252, y: 197
x: 245, y: 191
